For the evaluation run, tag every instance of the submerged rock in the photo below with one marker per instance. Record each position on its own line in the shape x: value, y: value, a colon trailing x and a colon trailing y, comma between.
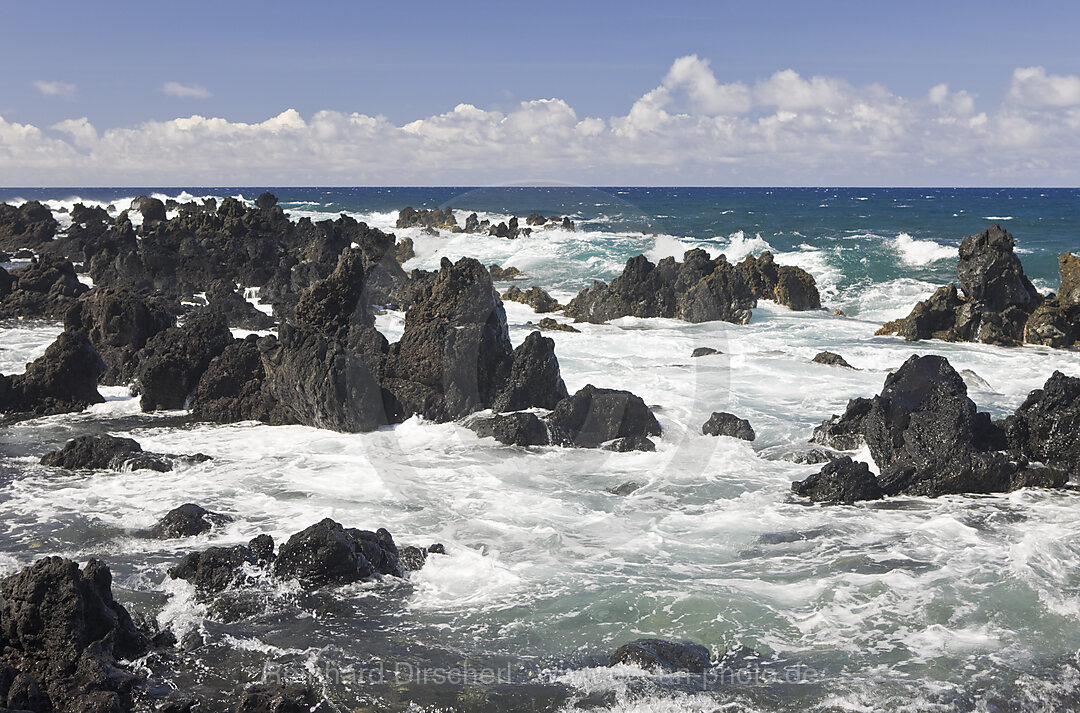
x: 64, y: 635
x: 840, y: 481
x: 631, y: 443
x: 550, y: 325
x: 704, y: 351
x: 521, y: 428
x: 831, y: 359
x: 726, y: 424
x: 188, y: 520
x: 663, y: 656
x: 64, y: 379
x: 534, y: 297
x: 112, y: 453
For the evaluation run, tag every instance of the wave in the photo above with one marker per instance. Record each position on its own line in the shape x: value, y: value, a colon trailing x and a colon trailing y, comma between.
x: 921, y: 252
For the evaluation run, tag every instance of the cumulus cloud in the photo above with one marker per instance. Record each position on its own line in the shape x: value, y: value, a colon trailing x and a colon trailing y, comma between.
x: 691, y: 128
x: 54, y: 89
x: 185, y: 91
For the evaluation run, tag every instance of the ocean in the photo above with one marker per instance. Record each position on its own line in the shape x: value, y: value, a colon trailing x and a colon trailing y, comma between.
x: 959, y: 603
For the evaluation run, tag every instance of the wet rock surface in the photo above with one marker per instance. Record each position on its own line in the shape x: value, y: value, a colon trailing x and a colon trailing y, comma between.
x: 840, y: 481
x: 64, y: 379
x: 727, y: 424
x: 114, y: 453
x: 663, y: 656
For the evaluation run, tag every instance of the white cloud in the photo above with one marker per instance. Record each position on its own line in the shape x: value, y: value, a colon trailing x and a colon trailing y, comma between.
x: 1033, y: 87
x: 55, y: 89
x: 784, y: 129
x: 185, y: 91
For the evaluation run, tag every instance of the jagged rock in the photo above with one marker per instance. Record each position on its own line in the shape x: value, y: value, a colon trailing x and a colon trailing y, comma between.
x: 1050, y: 326
x: 237, y: 311
x: 266, y: 201
x: 455, y: 351
x: 726, y: 424
x: 632, y: 443
x: 30, y: 225
x: 593, y: 416
x: 796, y: 289
x: 535, y: 297
x: 520, y: 428
x: 188, y: 520
x: 233, y: 387
x: 927, y: 437
x: 112, y: 453
x: 699, y: 289
x: 549, y: 324
x: 990, y: 273
x: 404, y: 251
x: 413, y: 558
x: 625, y: 488
x: 663, y: 656
x: 45, y: 288
x: 262, y: 547
x: 173, y: 360
x: 327, y: 553
x: 64, y: 633
x: 831, y: 359
x: 435, y: 218
x: 214, y: 569
x: 534, y: 379
x: 844, y: 432
x: 997, y: 301
x: 62, y: 380
x: 704, y: 351
x: 118, y: 323
x: 1046, y: 427
x: 323, y: 382
x: 841, y: 481
x: 503, y: 274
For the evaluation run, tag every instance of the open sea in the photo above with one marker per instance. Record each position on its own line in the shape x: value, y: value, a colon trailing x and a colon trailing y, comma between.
x: 906, y: 604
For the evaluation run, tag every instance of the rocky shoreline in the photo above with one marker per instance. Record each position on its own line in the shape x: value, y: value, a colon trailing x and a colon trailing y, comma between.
x: 160, y: 317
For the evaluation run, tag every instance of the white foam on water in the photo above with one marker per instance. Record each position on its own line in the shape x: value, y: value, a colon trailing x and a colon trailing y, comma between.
x: 921, y: 252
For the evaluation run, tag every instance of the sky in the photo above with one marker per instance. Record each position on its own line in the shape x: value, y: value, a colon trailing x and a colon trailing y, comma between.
x: 491, y: 93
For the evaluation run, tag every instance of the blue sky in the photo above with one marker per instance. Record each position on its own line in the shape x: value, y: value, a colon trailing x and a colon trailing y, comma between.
x: 118, y: 65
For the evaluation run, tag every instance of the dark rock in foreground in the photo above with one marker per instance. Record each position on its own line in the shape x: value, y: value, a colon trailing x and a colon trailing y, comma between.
x: 727, y: 424
x: 662, y: 656
x: 188, y: 520
x: 841, y: 481
x: 63, y: 637
x: 1046, y: 427
x: 704, y: 351
x: 64, y: 379
x: 214, y: 569
x: 927, y: 437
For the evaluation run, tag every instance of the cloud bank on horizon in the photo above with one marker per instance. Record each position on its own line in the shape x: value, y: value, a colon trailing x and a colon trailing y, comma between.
x: 691, y: 129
